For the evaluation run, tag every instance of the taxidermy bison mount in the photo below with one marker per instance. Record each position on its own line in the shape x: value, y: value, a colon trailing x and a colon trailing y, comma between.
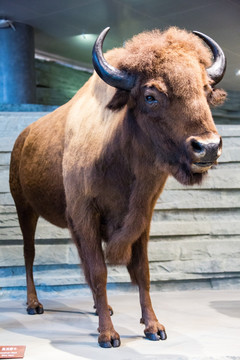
x: 98, y: 164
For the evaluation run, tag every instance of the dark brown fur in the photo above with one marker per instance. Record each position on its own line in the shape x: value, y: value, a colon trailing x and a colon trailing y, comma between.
x: 98, y: 164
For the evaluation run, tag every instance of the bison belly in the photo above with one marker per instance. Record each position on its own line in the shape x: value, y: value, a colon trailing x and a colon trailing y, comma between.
x: 36, y: 170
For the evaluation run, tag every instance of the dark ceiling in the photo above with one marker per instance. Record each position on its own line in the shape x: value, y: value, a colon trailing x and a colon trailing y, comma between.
x: 68, y: 28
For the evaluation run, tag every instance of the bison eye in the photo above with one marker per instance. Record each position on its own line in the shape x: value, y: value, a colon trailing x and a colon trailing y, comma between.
x: 150, y: 99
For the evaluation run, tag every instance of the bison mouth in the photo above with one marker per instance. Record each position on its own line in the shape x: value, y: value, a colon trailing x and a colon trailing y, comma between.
x: 190, y: 170
x: 201, y: 167
x: 191, y: 173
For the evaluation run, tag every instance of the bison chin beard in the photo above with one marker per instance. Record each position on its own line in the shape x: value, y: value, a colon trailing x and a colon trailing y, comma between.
x: 186, y: 176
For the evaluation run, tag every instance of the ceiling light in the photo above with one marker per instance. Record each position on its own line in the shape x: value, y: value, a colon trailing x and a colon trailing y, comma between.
x: 86, y: 37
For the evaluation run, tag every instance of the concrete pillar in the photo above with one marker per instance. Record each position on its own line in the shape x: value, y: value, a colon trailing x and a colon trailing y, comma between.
x: 17, y: 73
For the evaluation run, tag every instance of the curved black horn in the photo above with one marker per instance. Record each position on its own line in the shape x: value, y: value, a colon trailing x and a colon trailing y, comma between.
x: 112, y: 76
x: 217, y: 69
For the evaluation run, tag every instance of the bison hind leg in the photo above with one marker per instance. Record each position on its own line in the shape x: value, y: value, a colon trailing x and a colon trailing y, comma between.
x: 28, y: 218
x: 28, y: 221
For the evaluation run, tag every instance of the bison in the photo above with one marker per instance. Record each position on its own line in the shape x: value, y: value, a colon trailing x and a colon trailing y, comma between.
x: 97, y: 164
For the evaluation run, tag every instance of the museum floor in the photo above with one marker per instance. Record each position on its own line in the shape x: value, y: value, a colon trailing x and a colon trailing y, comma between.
x: 201, y: 324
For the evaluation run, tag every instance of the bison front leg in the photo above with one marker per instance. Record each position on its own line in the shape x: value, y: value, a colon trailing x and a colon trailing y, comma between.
x: 89, y: 247
x: 139, y: 271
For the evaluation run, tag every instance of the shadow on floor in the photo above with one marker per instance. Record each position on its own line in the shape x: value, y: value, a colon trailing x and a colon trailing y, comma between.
x: 229, y: 308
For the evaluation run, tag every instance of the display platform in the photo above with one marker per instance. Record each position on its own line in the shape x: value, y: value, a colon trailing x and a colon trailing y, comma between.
x: 201, y: 325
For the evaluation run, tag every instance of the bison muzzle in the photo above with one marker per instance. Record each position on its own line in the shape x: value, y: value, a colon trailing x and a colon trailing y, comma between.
x: 98, y: 164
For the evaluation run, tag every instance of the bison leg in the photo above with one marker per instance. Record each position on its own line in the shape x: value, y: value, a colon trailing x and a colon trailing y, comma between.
x: 139, y: 271
x: 28, y: 221
x: 90, y: 250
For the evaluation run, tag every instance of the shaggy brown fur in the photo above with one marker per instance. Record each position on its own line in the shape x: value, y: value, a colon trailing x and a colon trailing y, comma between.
x: 98, y: 164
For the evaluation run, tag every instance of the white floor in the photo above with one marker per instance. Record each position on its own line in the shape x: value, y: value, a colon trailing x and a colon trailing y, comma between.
x: 200, y: 324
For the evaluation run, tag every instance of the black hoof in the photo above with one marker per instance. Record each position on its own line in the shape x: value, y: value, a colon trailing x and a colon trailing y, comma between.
x: 116, y: 343
x: 109, y: 344
x: 33, y: 311
x: 152, y: 336
x: 160, y: 335
x: 105, y: 345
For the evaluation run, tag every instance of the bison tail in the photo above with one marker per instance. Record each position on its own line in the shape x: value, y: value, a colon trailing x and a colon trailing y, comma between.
x: 118, y: 253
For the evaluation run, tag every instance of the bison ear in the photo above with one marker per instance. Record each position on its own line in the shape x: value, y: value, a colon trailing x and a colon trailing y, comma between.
x: 217, y: 97
x: 119, y: 100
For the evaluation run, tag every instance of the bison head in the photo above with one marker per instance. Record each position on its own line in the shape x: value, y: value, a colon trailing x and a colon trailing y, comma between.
x: 166, y: 81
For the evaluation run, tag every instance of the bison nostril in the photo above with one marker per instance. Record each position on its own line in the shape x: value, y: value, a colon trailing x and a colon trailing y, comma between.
x: 197, y: 146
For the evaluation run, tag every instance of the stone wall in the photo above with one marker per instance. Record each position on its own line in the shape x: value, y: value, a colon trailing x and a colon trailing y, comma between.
x: 195, y: 231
